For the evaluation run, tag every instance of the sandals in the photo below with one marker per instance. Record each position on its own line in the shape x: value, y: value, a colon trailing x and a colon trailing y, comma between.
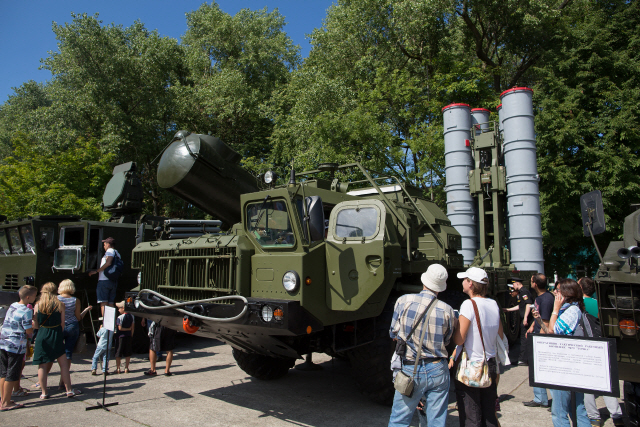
x: 73, y: 392
x: 11, y: 408
x: 126, y: 370
x: 36, y: 385
x: 22, y: 392
x: 117, y: 371
x: 151, y: 373
x: 45, y: 396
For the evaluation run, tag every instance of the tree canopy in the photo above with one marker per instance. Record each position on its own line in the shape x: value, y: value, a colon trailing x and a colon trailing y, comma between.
x: 371, y: 90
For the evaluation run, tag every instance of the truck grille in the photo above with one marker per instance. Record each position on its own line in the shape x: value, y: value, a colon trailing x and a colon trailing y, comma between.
x: 188, y: 274
x: 620, y: 302
x: 11, y: 282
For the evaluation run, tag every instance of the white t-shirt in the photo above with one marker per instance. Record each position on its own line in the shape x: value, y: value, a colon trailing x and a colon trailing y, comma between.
x: 490, y: 321
x: 112, y: 253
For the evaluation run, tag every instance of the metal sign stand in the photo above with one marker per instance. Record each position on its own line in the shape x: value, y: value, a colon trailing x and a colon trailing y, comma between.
x: 111, y: 327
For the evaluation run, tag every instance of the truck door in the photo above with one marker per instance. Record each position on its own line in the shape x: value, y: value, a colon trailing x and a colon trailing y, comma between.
x: 355, y: 253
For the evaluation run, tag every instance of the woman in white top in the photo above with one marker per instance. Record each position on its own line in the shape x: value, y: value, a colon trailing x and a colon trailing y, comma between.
x: 476, y: 406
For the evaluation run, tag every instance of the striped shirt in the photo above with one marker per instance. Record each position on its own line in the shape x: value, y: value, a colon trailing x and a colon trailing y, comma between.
x: 568, y: 320
x: 69, y: 309
x: 440, y: 324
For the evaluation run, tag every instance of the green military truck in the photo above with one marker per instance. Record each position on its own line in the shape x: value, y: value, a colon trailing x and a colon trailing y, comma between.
x: 618, y: 290
x: 36, y: 250
x: 313, y: 265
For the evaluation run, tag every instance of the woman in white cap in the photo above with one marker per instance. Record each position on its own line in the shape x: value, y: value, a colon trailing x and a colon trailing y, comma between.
x: 476, y: 406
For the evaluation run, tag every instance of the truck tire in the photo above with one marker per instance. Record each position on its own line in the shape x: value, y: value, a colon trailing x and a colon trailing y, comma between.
x: 370, y: 362
x: 631, y: 394
x: 263, y: 367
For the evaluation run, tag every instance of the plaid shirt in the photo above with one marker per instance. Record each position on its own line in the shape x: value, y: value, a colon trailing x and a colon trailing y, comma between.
x: 441, y: 322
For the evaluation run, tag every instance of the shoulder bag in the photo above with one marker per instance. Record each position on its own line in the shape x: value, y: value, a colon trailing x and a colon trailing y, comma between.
x: 474, y: 373
x: 114, y: 270
x: 403, y: 382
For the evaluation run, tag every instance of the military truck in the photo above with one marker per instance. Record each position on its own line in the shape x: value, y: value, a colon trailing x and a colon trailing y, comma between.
x: 312, y: 265
x: 618, y: 292
x: 36, y: 250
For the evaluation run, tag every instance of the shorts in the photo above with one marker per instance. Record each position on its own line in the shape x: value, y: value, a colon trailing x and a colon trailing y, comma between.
x: 10, y: 365
x: 162, y: 340
x: 123, y: 346
x: 106, y: 291
x: 71, y: 334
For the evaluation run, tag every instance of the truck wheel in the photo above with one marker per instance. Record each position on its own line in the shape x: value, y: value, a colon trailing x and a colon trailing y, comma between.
x: 370, y: 363
x: 263, y: 367
x: 631, y: 396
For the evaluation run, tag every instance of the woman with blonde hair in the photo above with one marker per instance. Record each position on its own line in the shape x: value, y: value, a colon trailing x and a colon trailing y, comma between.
x: 72, y: 317
x: 49, y: 346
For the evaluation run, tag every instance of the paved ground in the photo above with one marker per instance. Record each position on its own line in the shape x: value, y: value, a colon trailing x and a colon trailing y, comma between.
x: 207, y: 388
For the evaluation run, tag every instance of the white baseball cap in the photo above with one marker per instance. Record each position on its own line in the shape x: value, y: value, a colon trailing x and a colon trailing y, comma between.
x: 476, y: 274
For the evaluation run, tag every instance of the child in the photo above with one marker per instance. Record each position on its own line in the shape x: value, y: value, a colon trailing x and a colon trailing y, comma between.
x: 101, y: 349
x: 16, y: 329
x: 125, y: 325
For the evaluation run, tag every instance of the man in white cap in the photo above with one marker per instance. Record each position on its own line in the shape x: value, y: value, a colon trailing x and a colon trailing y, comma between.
x: 432, y: 376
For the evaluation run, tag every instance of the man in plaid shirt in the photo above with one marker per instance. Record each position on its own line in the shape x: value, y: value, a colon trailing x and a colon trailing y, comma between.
x: 432, y: 375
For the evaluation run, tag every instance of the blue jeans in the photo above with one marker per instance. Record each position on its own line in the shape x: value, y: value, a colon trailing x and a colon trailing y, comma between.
x: 71, y: 334
x: 432, y: 382
x: 561, y: 406
x: 540, y: 396
x: 101, y: 351
x: 106, y: 291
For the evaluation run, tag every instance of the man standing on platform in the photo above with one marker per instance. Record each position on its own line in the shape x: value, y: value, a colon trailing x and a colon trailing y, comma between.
x: 524, y: 302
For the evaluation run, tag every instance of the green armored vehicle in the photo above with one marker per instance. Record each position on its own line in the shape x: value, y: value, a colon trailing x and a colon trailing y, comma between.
x: 314, y: 265
x: 45, y: 248
x: 618, y: 289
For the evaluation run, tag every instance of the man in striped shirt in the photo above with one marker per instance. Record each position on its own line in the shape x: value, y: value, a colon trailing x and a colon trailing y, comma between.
x: 432, y: 375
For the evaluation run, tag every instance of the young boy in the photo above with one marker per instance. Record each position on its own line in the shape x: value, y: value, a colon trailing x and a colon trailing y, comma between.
x: 13, y: 344
x: 125, y: 325
x: 105, y: 336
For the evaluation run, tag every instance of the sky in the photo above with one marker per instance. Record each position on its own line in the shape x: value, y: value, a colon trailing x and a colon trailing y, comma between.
x: 26, y: 36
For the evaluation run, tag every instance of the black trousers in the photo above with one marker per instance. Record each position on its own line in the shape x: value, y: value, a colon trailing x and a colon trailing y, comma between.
x: 477, y: 406
x: 524, y: 354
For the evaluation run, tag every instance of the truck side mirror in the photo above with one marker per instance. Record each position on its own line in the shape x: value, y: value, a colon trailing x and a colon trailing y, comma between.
x: 315, y: 213
x: 592, y: 213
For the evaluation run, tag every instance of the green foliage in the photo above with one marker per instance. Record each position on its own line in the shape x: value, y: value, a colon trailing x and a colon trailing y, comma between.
x: 236, y: 63
x: 68, y: 182
x: 586, y: 124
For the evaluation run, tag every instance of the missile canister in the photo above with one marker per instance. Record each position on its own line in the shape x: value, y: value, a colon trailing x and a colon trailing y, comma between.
x: 203, y: 170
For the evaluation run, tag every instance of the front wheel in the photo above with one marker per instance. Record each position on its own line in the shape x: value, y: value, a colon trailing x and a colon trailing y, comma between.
x: 263, y: 367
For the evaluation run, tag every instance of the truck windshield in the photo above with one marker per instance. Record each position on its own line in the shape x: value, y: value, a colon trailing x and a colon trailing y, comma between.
x: 27, y: 237
x: 16, y: 244
x: 4, y: 244
x: 270, y: 224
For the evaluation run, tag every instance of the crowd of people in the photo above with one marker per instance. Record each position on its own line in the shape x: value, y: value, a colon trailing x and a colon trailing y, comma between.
x: 45, y: 326
x: 470, y: 347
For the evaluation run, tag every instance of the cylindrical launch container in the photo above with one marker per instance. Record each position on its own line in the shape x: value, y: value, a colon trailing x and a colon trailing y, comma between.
x: 203, y: 170
x: 480, y: 119
x: 458, y: 163
x: 523, y: 196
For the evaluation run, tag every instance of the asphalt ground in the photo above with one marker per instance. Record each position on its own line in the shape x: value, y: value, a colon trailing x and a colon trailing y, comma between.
x: 208, y: 388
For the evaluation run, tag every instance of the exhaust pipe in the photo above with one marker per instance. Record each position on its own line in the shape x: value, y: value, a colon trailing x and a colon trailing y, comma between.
x: 631, y: 251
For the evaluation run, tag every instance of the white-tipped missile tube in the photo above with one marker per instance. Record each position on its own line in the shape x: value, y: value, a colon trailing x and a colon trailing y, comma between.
x: 523, y: 196
x: 458, y: 163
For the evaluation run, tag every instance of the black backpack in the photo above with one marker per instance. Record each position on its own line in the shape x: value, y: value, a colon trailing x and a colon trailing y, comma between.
x: 591, y: 325
x: 114, y: 271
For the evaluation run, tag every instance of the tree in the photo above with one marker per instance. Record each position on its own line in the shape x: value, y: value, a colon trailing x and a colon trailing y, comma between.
x: 586, y: 124
x: 36, y: 184
x: 236, y: 63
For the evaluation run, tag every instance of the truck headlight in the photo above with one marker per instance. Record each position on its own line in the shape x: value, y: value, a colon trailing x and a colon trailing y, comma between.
x: 140, y: 278
x: 269, y: 177
x: 266, y: 313
x: 291, y: 281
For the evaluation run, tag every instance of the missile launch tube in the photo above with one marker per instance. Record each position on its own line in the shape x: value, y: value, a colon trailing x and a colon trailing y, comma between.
x: 523, y: 196
x: 204, y: 171
x: 458, y: 163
